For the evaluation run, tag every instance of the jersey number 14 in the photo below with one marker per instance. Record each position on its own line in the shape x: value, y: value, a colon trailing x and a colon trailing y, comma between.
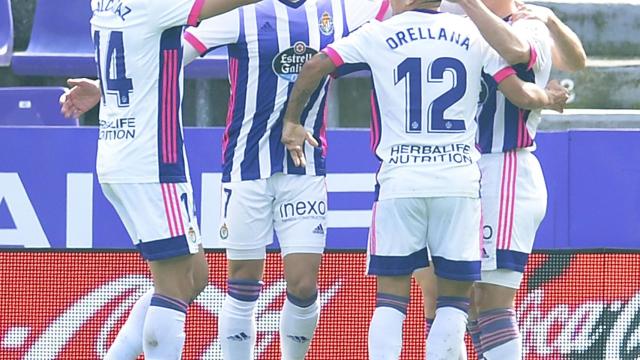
x: 410, y: 70
x: 116, y: 70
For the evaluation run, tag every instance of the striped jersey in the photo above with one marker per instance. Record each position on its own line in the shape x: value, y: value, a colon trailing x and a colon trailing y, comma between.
x: 138, y: 48
x: 268, y: 43
x: 426, y: 69
x: 502, y: 126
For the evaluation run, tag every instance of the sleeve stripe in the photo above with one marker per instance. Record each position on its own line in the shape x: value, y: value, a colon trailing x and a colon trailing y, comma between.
x: 194, y: 15
x: 383, y: 10
x: 334, y: 56
x: 533, y: 58
x: 200, y: 47
x: 503, y: 74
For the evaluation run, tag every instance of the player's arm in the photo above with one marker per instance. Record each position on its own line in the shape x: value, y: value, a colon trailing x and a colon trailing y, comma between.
x: 512, y: 47
x: 82, y: 96
x: 294, y: 134
x: 526, y: 95
x: 567, y: 52
x: 347, y: 50
x: 210, y: 34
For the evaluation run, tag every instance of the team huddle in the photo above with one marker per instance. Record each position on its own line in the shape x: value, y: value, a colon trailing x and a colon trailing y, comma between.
x: 456, y: 101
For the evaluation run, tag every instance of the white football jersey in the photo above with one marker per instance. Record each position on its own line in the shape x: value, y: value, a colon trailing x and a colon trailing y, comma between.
x: 502, y: 126
x: 139, y: 57
x: 426, y: 70
x: 268, y: 44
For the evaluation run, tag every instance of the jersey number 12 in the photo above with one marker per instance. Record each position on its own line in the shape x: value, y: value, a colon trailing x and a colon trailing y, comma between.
x: 410, y: 70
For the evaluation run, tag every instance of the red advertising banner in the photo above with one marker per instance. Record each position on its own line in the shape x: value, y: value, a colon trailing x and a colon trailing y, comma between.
x: 70, y: 305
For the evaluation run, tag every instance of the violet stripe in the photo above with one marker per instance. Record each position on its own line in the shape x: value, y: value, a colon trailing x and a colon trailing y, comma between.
x: 514, y: 176
x: 178, y: 209
x: 165, y: 134
x: 519, y: 139
x: 489, y: 322
x: 172, y: 300
x: 245, y: 287
x: 323, y: 129
x: 245, y: 292
x: 233, y: 78
x: 497, y: 338
x: 166, y: 209
x: 375, y: 130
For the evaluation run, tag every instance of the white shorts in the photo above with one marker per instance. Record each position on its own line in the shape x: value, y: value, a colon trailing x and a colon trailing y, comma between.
x: 295, y: 206
x: 160, y: 218
x: 514, y: 201
x: 405, y: 230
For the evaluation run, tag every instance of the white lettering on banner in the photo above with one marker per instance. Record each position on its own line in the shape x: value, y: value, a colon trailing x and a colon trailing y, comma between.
x: 79, y: 211
x: 65, y: 326
x: 62, y: 330
x: 623, y: 326
x: 581, y: 328
x: 28, y: 231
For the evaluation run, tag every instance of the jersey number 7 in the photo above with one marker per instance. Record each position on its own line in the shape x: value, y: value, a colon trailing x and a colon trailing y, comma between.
x: 410, y: 70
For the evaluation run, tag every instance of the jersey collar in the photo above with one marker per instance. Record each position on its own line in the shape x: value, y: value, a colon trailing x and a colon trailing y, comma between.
x: 427, y: 11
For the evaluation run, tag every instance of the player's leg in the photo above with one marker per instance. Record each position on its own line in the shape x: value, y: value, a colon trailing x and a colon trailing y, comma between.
x: 427, y: 281
x: 397, y: 247
x: 166, y: 232
x: 128, y: 343
x: 508, y: 242
x: 246, y: 229
x: 454, y: 239
x: 300, y: 212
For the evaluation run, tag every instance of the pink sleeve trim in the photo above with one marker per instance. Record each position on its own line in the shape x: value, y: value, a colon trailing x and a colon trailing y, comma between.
x: 334, y: 56
x: 383, y: 10
x: 200, y: 47
x: 194, y: 15
x: 503, y: 74
x: 533, y: 58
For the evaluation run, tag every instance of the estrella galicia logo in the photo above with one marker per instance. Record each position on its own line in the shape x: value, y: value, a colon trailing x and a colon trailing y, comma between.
x: 326, y: 24
x: 288, y: 64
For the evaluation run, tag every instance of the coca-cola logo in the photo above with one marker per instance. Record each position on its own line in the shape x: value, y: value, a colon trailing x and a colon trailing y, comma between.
x: 125, y: 291
x: 592, y: 330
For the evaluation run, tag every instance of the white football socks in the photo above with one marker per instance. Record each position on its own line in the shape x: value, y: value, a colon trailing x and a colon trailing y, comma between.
x: 385, y: 329
x: 128, y: 343
x: 163, y: 336
x: 298, y: 322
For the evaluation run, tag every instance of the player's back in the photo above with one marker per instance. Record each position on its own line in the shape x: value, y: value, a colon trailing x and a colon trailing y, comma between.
x: 426, y: 68
x: 139, y: 59
x: 502, y: 126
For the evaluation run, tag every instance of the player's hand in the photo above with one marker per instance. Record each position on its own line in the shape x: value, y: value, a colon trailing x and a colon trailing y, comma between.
x: 293, y: 137
x: 82, y: 96
x: 558, y: 96
x: 532, y: 12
